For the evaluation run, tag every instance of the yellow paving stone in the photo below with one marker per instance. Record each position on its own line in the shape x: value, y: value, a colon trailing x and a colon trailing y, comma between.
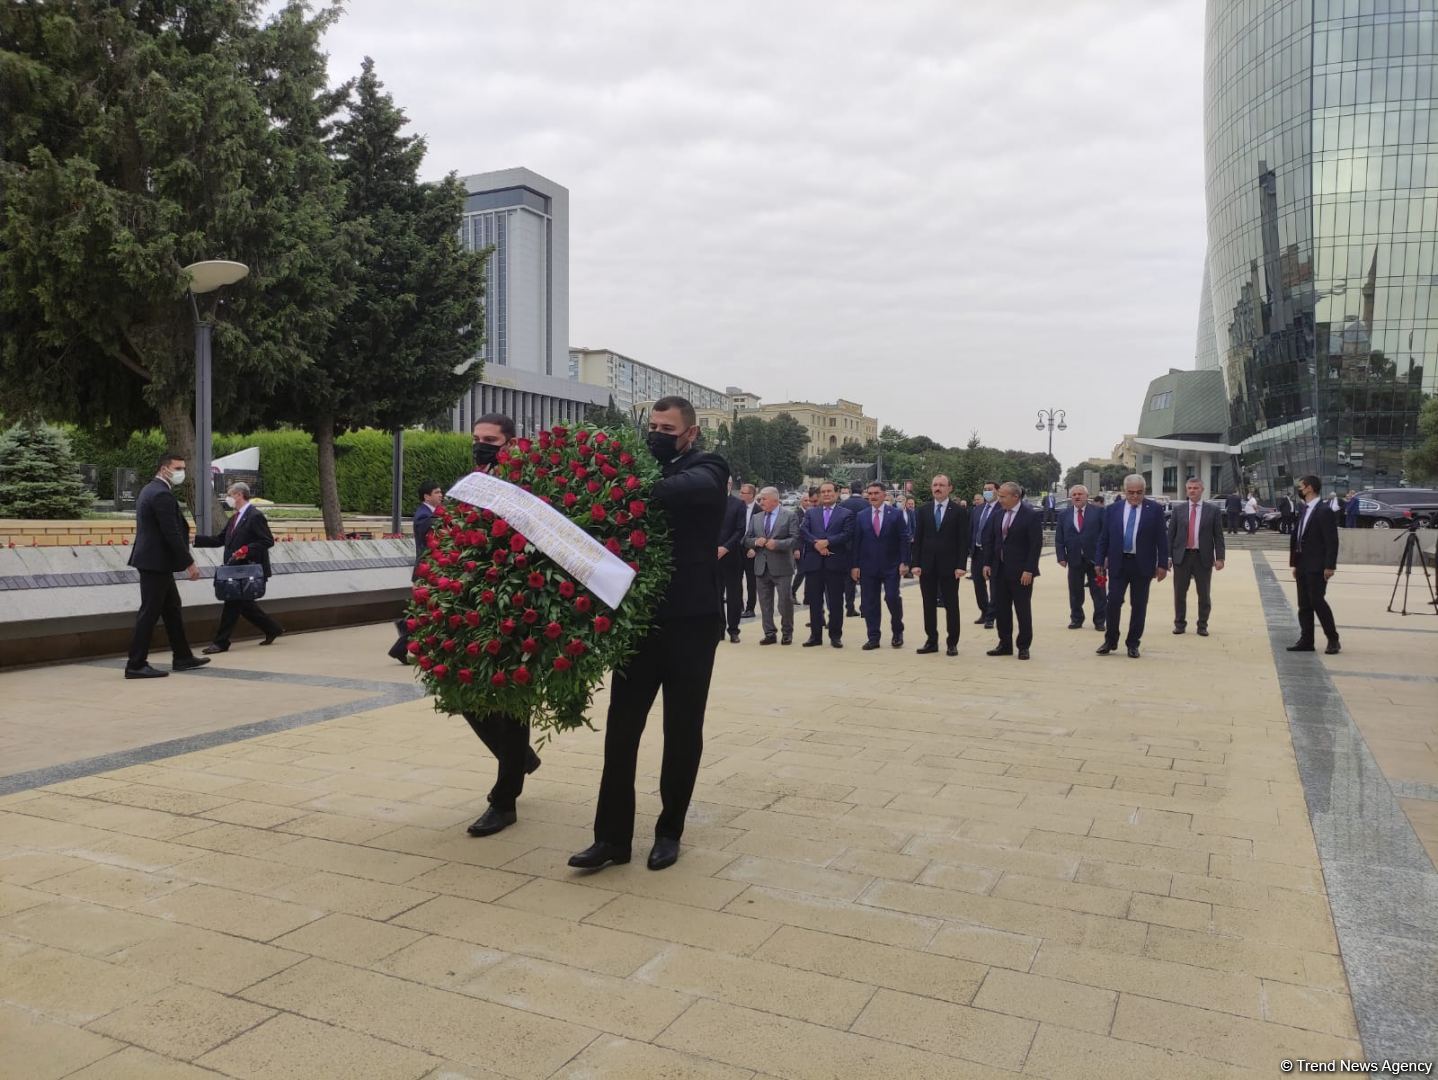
x: 66, y: 987
x: 610, y: 1057
x: 133, y: 1063
x: 1313, y: 1010
x: 1126, y: 853
x: 796, y: 877
x: 33, y: 1048
x: 961, y: 852
x: 30, y: 867
x: 347, y: 830
x: 1279, y: 926
x: 14, y: 898
x: 391, y: 811
x: 205, y: 958
x: 835, y: 917
x: 351, y: 895
x: 290, y: 1047
x: 259, y: 918
x: 1220, y: 953
x: 956, y: 1031
x: 940, y: 977
x: 789, y: 849
x: 452, y: 845
x: 352, y: 859
x: 741, y: 930
x: 1298, y: 878
x: 985, y: 945
x: 1052, y: 1001
x: 1239, y: 994
x: 235, y: 839
x: 81, y: 927
x: 170, y: 800
x: 1325, y: 972
x: 1095, y: 899
x: 974, y: 879
x: 1060, y: 1053
x: 795, y: 1050
x: 447, y: 1025
x: 444, y: 962
x: 994, y: 833
x: 463, y: 879
x: 136, y: 852
x: 885, y: 864
x: 347, y: 939
x: 181, y: 1021
x: 1213, y: 890
x: 239, y: 872
x: 593, y: 948
x: 1167, y: 911
x: 562, y: 899
x: 791, y: 825
x: 1115, y: 876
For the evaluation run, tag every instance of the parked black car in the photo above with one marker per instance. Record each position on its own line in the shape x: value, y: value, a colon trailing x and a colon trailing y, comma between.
x: 1407, y: 503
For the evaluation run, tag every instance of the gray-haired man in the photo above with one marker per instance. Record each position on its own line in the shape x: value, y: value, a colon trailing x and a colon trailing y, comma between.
x: 246, y: 538
x: 769, y: 543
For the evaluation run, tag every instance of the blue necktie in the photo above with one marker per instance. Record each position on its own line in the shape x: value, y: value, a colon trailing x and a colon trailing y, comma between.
x: 1128, y: 529
x: 938, y: 515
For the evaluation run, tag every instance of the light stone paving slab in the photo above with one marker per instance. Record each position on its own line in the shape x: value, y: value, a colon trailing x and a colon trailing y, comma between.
x: 895, y: 866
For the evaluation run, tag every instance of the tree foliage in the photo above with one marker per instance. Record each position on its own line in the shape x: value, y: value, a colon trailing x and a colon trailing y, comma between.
x: 761, y: 451
x: 1423, y: 459
x: 38, y: 477
x: 1111, y: 474
x: 610, y: 416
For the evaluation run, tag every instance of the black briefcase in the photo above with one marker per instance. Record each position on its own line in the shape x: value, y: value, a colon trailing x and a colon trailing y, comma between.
x: 243, y: 582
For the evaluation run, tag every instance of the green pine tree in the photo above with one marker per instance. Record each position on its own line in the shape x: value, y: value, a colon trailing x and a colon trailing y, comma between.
x: 38, y: 476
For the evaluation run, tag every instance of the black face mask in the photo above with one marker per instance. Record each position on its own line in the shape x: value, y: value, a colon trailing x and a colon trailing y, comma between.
x: 485, y: 453
x: 663, y: 446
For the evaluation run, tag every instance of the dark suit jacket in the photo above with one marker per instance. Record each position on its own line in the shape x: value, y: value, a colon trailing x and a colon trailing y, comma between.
x: 1233, y: 504
x: 162, y: 536
x: 1023, y: 546
x: 252, y: 532
x: 1210, y: 534
x: 1320, y: 540
x: 1149, y: 540
x: 855, y: 504
x: 423, y: 522
x: 946, y: 549
x: 885, y: 553
x: 691, y: 495
x: 978, y: 527
x: 1072, y: 546
x: 909, y: 522
x: 731, y: 529
x: 840, y: 535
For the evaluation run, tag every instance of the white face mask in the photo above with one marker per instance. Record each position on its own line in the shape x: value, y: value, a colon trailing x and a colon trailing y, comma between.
x: 177, y: 477
x: 989, y: 496
x: 230, y: 501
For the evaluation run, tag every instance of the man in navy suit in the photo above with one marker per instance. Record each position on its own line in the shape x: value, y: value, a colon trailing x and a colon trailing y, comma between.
x: 1134, y: 551
x: 881, y: 555
x: 828, y: 535
x: 857, y: 505
x: 940, y: 559
x: 1012, y: 545
x: 732, y: 560
x: 984, y: 511
x: 1313, y: 554
x: 1075, y: 544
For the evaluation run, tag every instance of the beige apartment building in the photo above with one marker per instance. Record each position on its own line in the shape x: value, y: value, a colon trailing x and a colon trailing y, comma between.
x: 829, y: 424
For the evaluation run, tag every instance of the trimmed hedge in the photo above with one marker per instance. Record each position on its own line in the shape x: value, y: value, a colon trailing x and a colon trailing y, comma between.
x: 290, y: 466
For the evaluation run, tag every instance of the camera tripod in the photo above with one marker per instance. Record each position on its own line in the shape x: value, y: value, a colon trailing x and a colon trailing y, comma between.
x: 1412, y: 551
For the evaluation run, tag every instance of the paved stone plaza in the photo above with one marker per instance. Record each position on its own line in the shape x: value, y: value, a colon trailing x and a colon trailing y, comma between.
x: 896, y: 866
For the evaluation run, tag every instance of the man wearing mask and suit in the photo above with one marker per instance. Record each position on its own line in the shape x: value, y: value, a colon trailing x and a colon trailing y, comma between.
x: 675, y: 656
x: 769, y: 544
x: 828, y: 534
x: 857, y: 506
x: 1195, y: 547
x: 1285, y: 514
x: 1313, y: 554
x: 909, y: 518
x: 939, y: 560
x: 732, y: 568
x: 161, y: 548
x: 1012, y: 546
x: 751, y: 507
x: 430, y: 496
x: 881, y: 555
x: 1075, y: 544
x: 1134, y: 551
x: 981, y: 514
x: 806, y: 501
x: 246, y: 538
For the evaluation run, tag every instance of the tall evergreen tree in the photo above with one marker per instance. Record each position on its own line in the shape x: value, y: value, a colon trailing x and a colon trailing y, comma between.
x: 38, y: 477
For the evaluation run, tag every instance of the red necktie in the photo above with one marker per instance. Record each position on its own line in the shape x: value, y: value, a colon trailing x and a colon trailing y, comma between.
x: 876, y: 523
x: 1008, y: 518
x: 1192, y: 525
x: 1078, y: 519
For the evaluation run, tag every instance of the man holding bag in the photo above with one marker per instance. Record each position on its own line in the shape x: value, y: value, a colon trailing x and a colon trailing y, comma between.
x: 246, y: 539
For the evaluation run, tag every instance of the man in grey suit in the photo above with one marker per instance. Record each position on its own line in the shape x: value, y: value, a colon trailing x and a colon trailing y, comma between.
x: 1195, y: 543
x: 773, y: 532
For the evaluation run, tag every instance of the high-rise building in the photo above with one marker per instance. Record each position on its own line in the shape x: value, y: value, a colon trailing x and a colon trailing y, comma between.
x: 524, y: 218
x: 631, y: 382
x: 1321, y: 155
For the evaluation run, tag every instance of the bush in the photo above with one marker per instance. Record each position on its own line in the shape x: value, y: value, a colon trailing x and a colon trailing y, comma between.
x: 38, y: 478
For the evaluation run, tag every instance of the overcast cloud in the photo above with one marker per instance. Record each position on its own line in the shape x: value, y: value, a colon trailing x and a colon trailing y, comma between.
x: 953, y: 214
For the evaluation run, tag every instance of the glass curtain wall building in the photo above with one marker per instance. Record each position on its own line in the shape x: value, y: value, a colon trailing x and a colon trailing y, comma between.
x: 1321, y: 154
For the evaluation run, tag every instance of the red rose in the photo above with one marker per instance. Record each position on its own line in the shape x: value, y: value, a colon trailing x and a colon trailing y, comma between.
x: 521, y: 675
x: 582, y: 604
x: 626, y: 458
x: 544, y: 439
x: 593, y: 487
x: 597, y: 513
x: 632, y: 483
x: 581, y: 437
x: 633, y: 565
x: 421, y: 594
x: 621, y: 517
x: 470, y: 517
x: 521, y: 561
x: 517, y: 542
x: 472, y: 648
x: 456, y: 586
x: 638, y: 538
x: 576, y: 647
x: 601, y: 438
x: 555, y: 459
x: 425, y: 663
x: 498, y: 679
x: 430, y: 639
x: 413, y: 647
x: 566, y: 589
x: 424, y: 570
x: 609, y: 471
x: 449, y: 645
x: 501, y: 557
x: 466, y: 676
x: 616, y: 494
x: 515, y: 473
x: 471, y: 618
x: 487, y: 597
x: 636, y: 507
x: 455, y: 621
x: 530, y: 616
x: 488, y: 515
x: 602, y: 624
x: 491, y: 574
x: 439, y: 671
x: 508, y: 626
x: 570, y: 498
x: 524, y: 444
x: 580, y: 472
x: 470, y: 564
x: 535, y: 459
x: 411, y: 623
x: 493, y: 646
x: 529, y: 645
x: 562, y: 663
x: 536, y: 580
x: 553, y: 630
x: 500, y: 527
x: 560, y: 430
x: 613, y: 545
x: 518, y: 600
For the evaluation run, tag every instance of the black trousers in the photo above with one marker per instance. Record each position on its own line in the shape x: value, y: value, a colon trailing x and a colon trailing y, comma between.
x: 732, y: 569
x: 870, y: 586
x: 751, y: 587
x: 250, y: 611
x: 1285, y: 524
x: 1012, y: 601
x: 851, y: 589
x: 677, y: 655
x: 1190, y: 569
x: 1233, y: 519
x: 159, y: 600
x: 508, y: 740
x: 1123, y: 576
x: 1312, y: 599
x: 981, y: 587
x: 821, y: 588
x: 936, y: 589
x: 1084, y: 575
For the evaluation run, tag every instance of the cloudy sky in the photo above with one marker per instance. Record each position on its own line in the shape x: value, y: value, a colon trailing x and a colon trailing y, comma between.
x: 955, y: 214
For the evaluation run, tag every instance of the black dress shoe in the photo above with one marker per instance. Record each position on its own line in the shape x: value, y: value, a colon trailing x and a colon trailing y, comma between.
x: 837, y: 644
x: 897, y: 643
x: 812, y: 642
x: 1023, y: 654
x: 1178, y: 629
x: 1100, y: 627
x: 989, y: 624
x: 1075, y: 626
x: 1105, y: 649
x: 190, y: 664
x: 927, y: 647
x: 664, y: 853
x: 1133, y: 652
x: 146, y: 672
x: 270, y: 638
x: 1333, y: 649
x: 748, y: 615
x: 787, y: 639
x: 1300, y: 646
x: 851, y: 614
x: 491, y: 822
x: 599, y: 854
x: 952, y: 650
x: 768, y: 639
x: 1203, y: 631
x: 979, y: 621
x: 869, y: 646
x: 734, y: 637
x: 210, y: 650
x: 531, y: 759
x: 1000, y: 652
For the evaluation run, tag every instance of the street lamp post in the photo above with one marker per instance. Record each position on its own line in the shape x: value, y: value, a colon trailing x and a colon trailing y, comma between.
x: 1048, y: 418
x: 206, y: 277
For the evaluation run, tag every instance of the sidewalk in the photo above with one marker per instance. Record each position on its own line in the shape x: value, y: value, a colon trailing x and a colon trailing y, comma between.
x: 895, y: 866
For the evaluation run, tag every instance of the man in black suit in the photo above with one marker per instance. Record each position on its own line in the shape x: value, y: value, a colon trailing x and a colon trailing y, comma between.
x: 1012, y: 545
x: 1195, y: 546
x: 1050, y: 510
x: 1233, y: 507
x: 857, y: 506
x: 827, y: 532
x: 981, y: 515
x: 161, y: 548
x: 246, y: 538
x: 749, y: 497
x: 940, y: 560
x: 676, y: 655
x: 1076, y: 539
x: 1313, y: 554
x: 1285, y: 513
x: 732, y: 569
x: 430, y: 496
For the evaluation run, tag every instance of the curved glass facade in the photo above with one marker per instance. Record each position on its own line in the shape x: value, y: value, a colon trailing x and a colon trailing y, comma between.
x: 1321, y: 153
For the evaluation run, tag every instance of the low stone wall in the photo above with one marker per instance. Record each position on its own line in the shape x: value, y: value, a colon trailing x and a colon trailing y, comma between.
x: 1381, y: 547
x: 99, y: 532
x: 60, y: 603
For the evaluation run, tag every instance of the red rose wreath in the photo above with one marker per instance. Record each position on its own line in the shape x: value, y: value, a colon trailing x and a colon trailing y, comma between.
x: 496, y: 625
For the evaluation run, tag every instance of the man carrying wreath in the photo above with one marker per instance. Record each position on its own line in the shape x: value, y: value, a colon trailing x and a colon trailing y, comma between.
x: 677, y: 653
